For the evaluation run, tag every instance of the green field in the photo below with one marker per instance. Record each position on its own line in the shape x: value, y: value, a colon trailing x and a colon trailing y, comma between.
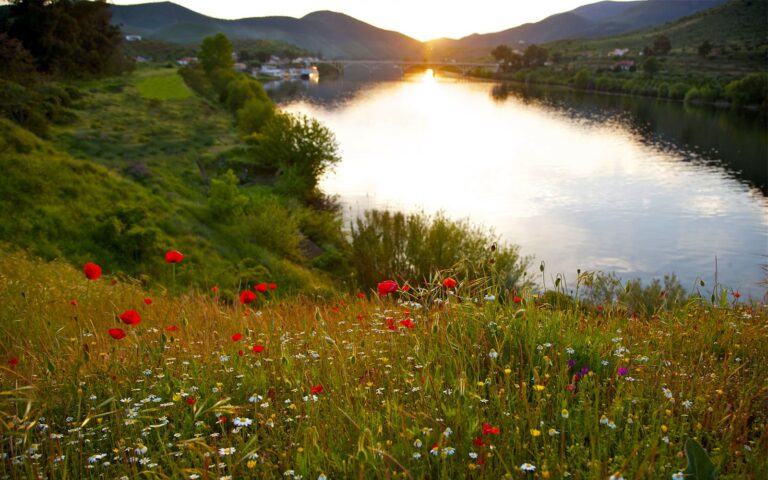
x: 164, y: 86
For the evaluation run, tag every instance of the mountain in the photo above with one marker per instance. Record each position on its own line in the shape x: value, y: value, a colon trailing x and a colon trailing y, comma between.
x: 588, y: 21
x: 332, y: 34
x: 741, y: 25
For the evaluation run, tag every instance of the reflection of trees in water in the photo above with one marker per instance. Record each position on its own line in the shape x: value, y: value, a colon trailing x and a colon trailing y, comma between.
x: 735, y: 140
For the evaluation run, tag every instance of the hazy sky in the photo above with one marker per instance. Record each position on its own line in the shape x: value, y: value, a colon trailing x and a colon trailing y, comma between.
x: 421, y: 19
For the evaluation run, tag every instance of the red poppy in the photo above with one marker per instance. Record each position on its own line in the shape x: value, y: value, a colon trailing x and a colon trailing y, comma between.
x: 391, y: 324
x: 191, y: 400
x: 407, y: 323
x: 386, y: 287
x: 237, y: 337
x: 148, y: 301
x: 240, y: 352
x: 273, y: 286
x: 130, y: 317
x: 517, y: 299
x: 316, y: 389
x: 449, y: 282
x: 116, y: 333
x: 736, y: 295
x: 13, y: 361
x: 247, y: 297
x: 215, y: 289
x: 406, y: 288
x: 172, y: 328
x: 73, y: 302
x: 261, y: 287
x: 173, y: 256
x: 478, y: 442
x: 258, y: 348
x: 600, y: 308
x: 489, y: 429
x: 360, y: 295
x: 92, y: 271
x: 222, y: 419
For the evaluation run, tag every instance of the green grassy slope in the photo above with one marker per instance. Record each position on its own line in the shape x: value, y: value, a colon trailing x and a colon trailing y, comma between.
x: 128, y: 180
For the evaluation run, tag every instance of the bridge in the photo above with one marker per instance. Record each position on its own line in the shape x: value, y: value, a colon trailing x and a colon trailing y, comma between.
x: 405, y: 65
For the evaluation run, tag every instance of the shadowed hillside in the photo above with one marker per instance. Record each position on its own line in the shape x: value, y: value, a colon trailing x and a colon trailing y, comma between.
x: 331, y: 34
x: 589, y: 21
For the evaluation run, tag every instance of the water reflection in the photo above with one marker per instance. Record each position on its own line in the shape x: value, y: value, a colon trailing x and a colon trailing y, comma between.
x: 637, y: 187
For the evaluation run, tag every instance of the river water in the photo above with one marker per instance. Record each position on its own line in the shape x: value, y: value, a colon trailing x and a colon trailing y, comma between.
x: 633, y: 186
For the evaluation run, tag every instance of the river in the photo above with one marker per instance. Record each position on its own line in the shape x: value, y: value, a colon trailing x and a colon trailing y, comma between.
x: 633, y: 186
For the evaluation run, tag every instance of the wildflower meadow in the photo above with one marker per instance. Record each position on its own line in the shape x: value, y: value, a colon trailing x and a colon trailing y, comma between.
x: 102, y: 379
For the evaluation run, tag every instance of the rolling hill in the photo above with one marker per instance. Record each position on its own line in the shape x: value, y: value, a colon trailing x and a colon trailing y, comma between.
x: 740, y: 25
x: 589, y: 21
x: 334, y: 35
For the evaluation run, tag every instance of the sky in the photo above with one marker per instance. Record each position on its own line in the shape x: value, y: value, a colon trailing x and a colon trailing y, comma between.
x: 420, y: 19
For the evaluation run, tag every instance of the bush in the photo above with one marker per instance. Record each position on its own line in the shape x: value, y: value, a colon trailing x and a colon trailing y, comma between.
x: 224, y: 199
x: 750, y: 90
x: 662, y: 91
x: 414, y: 247
x: 253, y: 116
x: 583, y: 79
x: 704, y: 94
x: 300, y: 149
x: 677, y: 91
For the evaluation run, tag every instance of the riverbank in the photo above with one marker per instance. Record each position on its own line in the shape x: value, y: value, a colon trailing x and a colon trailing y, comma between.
x: 750, y: 92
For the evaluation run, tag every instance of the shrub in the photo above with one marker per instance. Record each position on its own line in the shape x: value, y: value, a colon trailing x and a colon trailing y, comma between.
x: 750, y: 90
x: 662, y: 91
x: 677, y: 91
x: 416, y: 246
x: 224, y: 199
x: 583, y: 79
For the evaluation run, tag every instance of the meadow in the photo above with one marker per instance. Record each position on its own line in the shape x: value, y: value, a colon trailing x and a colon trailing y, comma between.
x: 104, y: 379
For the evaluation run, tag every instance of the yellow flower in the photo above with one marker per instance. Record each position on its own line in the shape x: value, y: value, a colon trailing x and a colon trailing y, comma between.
x: 664, y: 428
x: 480, y: 384
x: 539, y: 388
x: 507, y: 371
x: 535, y: 433
x: 251, y: 463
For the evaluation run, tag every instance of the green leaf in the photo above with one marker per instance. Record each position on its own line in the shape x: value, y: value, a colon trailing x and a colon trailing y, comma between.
x: 700, y: 467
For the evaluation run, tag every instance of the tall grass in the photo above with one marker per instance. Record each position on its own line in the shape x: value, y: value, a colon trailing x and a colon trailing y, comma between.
x: 413, y: 247
x: 576, y: 393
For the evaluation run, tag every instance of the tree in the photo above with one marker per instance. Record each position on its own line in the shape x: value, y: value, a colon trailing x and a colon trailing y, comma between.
x: 651, y: 66
x: 507, y: 58
x: 705, y: 48
x: 535, y: 55
x: 501, y: 53
x: 583, y: 78
x: 300, y: 149
x: 661, y: 45
x: 750, y: 90
x: 16, y: 63
x: 67, y: 37
x: 216, y: 53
